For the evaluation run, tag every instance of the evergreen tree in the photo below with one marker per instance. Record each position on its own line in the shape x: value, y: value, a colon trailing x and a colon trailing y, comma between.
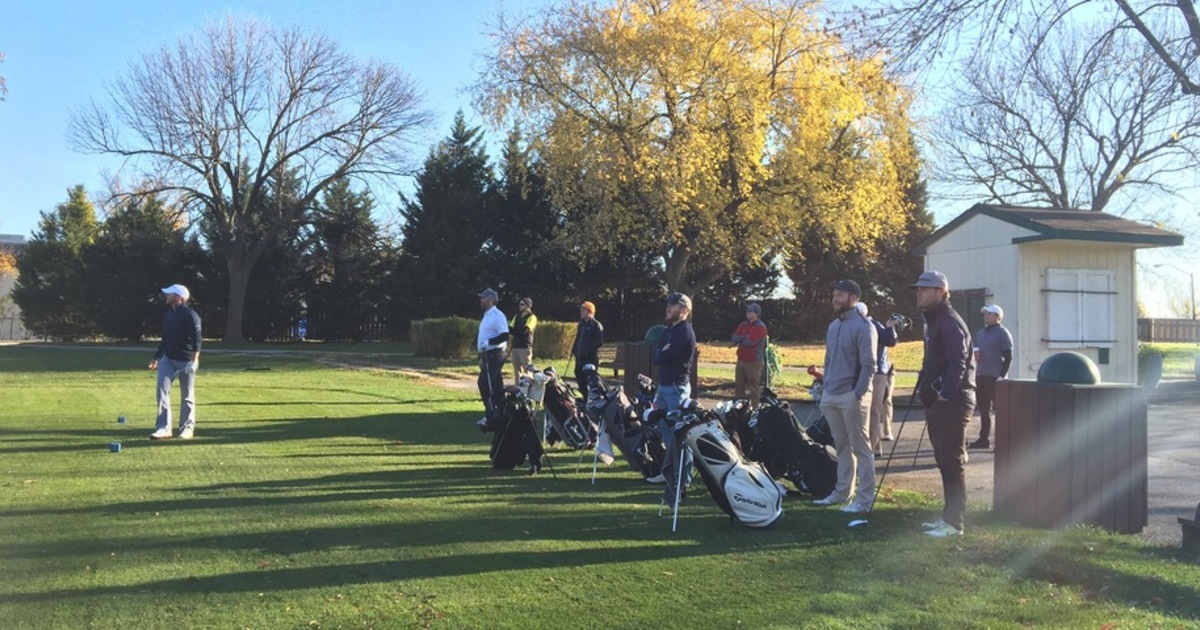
x: 345, y: 265
x: 442, y: 263
x: 521, y: 249
x: 50, y: 270
x: 141, y: 248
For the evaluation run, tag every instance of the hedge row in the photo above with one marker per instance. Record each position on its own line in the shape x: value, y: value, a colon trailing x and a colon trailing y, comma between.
x: 454, y: 338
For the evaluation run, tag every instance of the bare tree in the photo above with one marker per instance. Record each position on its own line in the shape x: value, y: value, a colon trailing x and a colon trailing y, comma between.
x: 225, y: 112
x: 1069, y: 121
x: 918, y: 31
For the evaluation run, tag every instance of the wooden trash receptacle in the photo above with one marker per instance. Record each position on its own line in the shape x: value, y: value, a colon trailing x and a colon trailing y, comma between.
x: 1071, y: 454
x: 639, y: 359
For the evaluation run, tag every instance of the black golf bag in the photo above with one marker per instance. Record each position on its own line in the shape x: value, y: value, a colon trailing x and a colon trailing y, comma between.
x: 820, y: 432
x: 735, y: 418
x: 787, y: 451
x: 742, y: 489
x: 639, y: 442
x: 568, y: 420
x: 515, y: 437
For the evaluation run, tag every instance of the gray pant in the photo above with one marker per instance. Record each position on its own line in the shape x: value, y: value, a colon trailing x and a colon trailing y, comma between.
x: 168, y: 369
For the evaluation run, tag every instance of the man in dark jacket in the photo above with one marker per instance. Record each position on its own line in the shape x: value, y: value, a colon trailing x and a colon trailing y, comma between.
x: 589, y: 336
x: 178, y: 356
x: 675, y: 356
x: 947, y: 391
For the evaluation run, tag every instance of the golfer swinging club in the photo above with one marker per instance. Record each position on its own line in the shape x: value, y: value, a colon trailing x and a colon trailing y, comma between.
x: 178, y: 356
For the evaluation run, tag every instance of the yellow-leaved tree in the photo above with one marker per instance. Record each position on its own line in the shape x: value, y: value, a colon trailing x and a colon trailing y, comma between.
x: 709, y: 132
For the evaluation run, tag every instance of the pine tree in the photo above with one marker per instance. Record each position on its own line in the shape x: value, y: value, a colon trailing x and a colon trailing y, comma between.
x: 141, y: 248
x: 345, y: 265
x: 50, y: 270
x: 442, y: 263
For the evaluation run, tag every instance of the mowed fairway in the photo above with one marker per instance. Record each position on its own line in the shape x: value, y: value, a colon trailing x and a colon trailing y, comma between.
x: 318, y: 497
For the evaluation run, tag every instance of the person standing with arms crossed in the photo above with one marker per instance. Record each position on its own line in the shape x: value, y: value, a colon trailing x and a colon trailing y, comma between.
x: 491, y: 341
x: 750, y: 337
x: 675, y: 356
x: 993, y: 355
x: 846, y: 402
x: 178, y: 356
x: 947, y: 391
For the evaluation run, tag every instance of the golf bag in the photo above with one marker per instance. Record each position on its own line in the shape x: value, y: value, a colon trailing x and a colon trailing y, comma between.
x: 638, y: 441
x: 742, y: 489
x: 820, y: 432
x: 735, y: 418
x: 787, y: 451
x: 515, y: 437
x: 568, y: 421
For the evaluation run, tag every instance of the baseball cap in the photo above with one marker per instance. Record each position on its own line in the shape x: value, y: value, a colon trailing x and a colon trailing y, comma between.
x: 680, y: 298
x: 754, y: 307
x: 489, y: 294
x: 935, y: 279
x: 993, y: 309
x: 588, y: 306
x: 178, y: 289
x: 849, y: 286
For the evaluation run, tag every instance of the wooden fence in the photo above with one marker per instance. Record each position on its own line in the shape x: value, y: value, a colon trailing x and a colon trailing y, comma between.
x: 1185, y: 330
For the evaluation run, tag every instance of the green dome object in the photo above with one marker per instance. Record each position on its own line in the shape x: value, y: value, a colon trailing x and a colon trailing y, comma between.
x: 1069, y: 367
x: 654, y: 333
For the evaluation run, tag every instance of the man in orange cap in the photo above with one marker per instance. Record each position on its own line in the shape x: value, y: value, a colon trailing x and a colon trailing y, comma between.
x: 589, y: 336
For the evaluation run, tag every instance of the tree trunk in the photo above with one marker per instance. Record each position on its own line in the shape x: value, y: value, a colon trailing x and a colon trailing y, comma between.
x: 239, y: 280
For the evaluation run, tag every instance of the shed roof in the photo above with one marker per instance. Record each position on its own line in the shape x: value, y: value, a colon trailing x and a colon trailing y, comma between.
x: 1069, y: 224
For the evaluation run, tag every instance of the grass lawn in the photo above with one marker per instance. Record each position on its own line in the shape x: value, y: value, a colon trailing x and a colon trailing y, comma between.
x: 320, y: 497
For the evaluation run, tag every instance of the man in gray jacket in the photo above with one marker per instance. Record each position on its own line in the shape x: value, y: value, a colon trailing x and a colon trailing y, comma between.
x: 846, y: 401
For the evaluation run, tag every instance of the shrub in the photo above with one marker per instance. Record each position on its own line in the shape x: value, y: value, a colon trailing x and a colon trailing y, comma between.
x: 444, y: 338
x: 552, y: 340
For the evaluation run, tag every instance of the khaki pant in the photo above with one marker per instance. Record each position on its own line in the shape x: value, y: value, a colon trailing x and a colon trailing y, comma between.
x: 881, y: 409
x: 847, y: 416
x: 521, y: 359
x: 748, y: 375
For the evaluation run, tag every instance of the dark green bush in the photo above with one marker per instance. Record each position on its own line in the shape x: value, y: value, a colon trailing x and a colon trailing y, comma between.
x: 444, y: 338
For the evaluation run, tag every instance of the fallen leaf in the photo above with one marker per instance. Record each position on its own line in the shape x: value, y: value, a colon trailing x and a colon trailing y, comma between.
x: 668, y: 573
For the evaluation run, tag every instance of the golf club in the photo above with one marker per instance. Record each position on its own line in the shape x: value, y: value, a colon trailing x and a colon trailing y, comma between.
x: 888, y: 464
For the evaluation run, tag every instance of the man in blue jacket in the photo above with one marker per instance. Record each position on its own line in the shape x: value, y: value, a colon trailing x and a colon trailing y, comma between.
x: 675, y: 356
x: 178, y: 356
x: 947, y: 391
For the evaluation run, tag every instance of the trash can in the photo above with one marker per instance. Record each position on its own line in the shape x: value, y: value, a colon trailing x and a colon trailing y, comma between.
x: 1071, y: 453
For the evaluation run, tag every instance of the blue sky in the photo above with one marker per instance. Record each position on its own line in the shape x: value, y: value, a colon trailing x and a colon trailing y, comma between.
x: 60, y: 54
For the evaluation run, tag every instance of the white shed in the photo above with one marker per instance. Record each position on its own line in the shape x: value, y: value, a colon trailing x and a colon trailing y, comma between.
x: 1066, y: 280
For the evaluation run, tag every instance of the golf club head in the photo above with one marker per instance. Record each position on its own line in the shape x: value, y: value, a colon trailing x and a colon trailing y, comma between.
x: 857, y: 523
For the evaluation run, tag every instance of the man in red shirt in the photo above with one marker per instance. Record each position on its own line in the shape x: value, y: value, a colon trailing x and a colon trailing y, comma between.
x: 751, y: 341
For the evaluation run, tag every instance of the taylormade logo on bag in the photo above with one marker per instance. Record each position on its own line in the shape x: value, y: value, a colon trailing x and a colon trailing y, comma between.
x: 741, y: 499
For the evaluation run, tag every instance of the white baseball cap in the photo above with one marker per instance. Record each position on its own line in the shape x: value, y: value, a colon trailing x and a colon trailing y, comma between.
x: 993, y: 309
x: 178, y: 289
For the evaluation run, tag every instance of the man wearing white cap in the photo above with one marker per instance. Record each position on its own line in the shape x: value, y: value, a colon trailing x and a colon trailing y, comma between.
x: 993, y: 354
x: 178, y: 356
x: 491, y: 341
